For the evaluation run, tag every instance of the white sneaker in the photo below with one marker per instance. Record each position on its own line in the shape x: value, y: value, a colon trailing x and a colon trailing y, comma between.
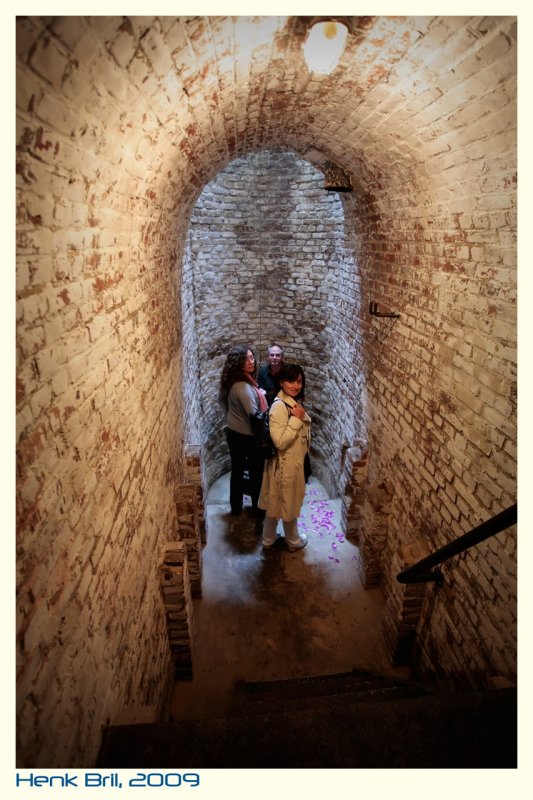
x: 302, y: 543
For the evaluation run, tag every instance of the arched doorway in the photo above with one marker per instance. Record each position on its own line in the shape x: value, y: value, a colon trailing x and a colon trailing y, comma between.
x: 269, y: 258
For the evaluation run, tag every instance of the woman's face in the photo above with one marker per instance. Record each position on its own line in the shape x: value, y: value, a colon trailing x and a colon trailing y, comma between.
x: 293, y: 387
x: 249, y: 363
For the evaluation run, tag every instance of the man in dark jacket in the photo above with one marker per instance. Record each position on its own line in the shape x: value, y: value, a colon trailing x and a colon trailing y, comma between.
x: 267, y: 377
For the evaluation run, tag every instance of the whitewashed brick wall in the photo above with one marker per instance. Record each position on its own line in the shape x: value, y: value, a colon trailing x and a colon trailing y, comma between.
x: 268, y: 260
x: 121, y: 123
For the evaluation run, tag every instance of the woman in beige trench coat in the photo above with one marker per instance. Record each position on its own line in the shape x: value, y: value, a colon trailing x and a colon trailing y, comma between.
x: 283, y: 487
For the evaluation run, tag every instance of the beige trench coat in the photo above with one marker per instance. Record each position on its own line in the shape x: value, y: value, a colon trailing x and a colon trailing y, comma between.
x: 283, y: 488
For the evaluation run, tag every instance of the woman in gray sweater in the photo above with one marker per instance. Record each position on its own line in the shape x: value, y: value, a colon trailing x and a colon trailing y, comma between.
x: 242, y: 398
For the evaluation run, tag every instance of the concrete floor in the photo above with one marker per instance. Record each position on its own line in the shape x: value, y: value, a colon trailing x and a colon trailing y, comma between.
x: 274, y: 614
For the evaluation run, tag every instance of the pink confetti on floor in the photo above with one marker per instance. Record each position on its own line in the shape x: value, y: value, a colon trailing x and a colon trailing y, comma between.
x: 323, y: 523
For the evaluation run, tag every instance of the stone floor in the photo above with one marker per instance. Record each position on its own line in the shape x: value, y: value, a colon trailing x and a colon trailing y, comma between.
x: 275, y: 614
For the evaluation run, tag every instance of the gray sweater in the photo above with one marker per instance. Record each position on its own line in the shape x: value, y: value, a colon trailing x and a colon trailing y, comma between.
x: 242, y: 404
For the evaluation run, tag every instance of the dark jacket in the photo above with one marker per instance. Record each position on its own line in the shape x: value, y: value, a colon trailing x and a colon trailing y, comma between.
x: 269, y: 383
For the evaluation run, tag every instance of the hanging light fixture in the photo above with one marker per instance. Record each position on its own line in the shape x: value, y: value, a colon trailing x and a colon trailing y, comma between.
x: 324, y: 45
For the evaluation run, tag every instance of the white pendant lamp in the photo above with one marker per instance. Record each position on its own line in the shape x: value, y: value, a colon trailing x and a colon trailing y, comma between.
x: 324, y: 45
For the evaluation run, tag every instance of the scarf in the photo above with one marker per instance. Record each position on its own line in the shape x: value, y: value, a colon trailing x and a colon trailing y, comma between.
x: 263, y: 405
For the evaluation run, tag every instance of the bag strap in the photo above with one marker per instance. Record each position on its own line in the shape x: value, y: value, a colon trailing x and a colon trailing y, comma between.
x: 287, y: 406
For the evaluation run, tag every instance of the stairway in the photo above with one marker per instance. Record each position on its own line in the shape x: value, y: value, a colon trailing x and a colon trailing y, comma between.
x: 352, y: 720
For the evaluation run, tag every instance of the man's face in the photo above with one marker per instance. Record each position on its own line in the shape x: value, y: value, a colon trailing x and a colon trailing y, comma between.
x: 274, y: 356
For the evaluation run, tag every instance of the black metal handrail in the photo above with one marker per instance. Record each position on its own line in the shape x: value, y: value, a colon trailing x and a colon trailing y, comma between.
x: 417, y: 573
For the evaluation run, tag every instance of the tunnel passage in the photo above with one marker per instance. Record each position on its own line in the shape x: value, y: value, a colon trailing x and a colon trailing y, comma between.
x: 269, y: 258
x: 121, y: 123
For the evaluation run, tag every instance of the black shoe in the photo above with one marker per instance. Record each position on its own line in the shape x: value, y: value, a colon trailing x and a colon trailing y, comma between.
x: 257, y: 513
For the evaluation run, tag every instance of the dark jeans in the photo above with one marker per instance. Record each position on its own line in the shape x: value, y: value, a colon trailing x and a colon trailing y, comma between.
x: 243, y: 454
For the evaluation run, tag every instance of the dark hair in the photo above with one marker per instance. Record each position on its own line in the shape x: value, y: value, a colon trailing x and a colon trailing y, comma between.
x: 233, y: 370
x: 290, y: 372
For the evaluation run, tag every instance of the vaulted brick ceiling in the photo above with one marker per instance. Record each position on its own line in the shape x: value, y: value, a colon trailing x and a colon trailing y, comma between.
x: 194, y: 92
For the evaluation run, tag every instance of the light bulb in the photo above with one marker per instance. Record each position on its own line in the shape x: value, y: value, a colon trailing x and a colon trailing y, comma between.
x: 324, y: 45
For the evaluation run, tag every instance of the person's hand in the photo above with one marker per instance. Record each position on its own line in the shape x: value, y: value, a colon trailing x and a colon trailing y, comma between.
x: 298, y: 411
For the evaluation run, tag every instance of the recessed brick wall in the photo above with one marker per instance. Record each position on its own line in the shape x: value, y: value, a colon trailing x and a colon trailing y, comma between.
x: 122, y: 123
x: 268, y: 260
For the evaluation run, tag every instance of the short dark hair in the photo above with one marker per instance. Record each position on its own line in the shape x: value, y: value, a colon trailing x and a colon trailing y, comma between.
x: 290, y: 372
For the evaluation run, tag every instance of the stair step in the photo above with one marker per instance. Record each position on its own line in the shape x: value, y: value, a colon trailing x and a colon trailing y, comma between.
x: 308, y: 702
x: 466, y: 730
x: 316, y: 691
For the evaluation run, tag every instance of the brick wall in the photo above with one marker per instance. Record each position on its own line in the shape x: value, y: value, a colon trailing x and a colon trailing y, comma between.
x: 99, y: 421
x: 441, y: 383
x: 121, y: 123
x: 267, y: 260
